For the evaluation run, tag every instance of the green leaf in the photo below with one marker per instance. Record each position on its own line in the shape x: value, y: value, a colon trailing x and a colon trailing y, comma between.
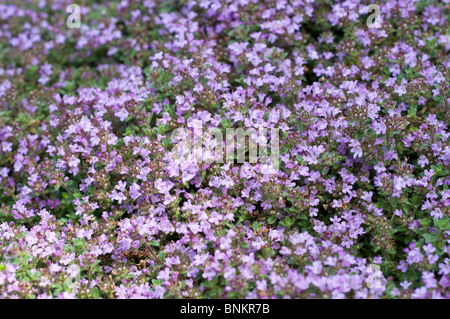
x: 155, y: 243
x: 244, y: 244
x: 95, y: 293
x: 288, y: 221
x: 225, y: 123
x: 79, y: 243
x: 429, y: 238
x: 412, y: 111
x: 33, y: 69
x: 272, y: 219
x: 360, y: 135
x: 156, y: 282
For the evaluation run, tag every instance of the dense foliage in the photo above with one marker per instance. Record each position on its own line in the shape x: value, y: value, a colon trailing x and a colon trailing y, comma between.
x: 93, y: 205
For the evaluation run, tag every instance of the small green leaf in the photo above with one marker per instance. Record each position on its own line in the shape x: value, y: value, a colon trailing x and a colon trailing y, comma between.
x: 95, y: 293
x: 155, y: 243
x: 244, y: 244
x: 429, y: 238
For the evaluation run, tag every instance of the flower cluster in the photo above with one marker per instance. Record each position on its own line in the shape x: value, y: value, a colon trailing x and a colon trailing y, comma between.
x: 93, y: 204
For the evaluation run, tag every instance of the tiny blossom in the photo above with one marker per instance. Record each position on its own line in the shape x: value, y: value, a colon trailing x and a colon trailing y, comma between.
x: 121, y: 177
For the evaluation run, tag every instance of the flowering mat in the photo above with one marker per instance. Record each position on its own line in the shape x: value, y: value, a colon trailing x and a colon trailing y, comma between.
x: 112, y: 184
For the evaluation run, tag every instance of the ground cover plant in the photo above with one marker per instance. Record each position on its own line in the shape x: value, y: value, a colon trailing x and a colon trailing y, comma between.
x: 93, y: 204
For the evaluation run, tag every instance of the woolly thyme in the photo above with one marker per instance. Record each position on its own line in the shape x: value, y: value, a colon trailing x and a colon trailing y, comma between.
x: 94, y: 205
